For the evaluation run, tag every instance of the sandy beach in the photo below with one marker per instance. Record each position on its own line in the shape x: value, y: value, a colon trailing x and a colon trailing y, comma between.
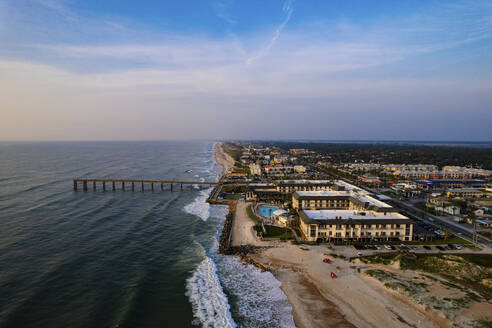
x: 350, y: 300
x: 223, y: 158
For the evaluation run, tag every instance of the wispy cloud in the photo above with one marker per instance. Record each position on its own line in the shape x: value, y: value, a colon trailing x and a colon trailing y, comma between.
x: 288, y: 9
x: 222, y: 10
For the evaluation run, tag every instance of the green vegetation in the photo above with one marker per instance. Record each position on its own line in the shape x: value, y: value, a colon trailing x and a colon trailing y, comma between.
x: 471, y: 271
x: 341, y: 256
x: 386, y: 259
x: 277, y: 232
x: 380, y: 275
x: 234, y: 189
x: 241, y: 170
x: 231, y: 196
x: 252, y: 215
x: 233, y: 151
x: 298, y: 232
x: 486, y: 234
x: 397, y: 153
x: 482, y: 323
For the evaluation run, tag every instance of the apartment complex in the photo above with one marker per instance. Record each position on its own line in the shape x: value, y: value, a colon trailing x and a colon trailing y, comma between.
x: 350, y: 225
x: 346, y: 212
x: 463, y: 192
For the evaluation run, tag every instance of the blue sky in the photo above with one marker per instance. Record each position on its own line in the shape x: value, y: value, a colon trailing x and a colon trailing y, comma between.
x: 245, y: 69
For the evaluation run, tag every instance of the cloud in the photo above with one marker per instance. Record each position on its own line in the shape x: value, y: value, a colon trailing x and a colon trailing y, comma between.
x: 222, y: 10
x: 288, y: 9
x: 363, y: 77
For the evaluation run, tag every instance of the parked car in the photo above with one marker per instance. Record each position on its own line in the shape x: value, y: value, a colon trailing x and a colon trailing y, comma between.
x: 392, y: 247
x: 378, y: 247
x: 458, y: 247
x: 387, y: 247
x: 428, y: 247
x: 440, y: 248
x: 451, y: 246
x: 360, y: 254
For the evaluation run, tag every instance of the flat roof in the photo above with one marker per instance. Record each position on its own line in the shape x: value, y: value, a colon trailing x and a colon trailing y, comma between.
x: 463, y: 190
x: 436, y: 181
x: 345, y: 216
x: 305, y: 182
x: 362, y: 197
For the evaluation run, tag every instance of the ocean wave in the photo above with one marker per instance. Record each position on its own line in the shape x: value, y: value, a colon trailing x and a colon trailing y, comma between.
x: 258, y: 299
x: 210, y: 305
x: 199, y: 206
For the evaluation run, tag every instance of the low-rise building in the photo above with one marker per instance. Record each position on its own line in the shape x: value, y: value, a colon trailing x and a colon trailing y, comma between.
x: 350, y: 225
x: 463, y: 192
x: 255, y: 169
x: 341, y: 199
x: 299, y: 169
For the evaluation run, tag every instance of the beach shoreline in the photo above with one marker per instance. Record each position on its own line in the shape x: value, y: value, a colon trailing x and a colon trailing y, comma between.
x: 222, y: 158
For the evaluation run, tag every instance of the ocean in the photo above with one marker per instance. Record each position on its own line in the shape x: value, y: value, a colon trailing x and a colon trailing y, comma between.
x: 120, y: 258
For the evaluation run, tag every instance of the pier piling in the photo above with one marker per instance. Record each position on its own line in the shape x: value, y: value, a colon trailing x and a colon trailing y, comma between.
x: 182, y: 184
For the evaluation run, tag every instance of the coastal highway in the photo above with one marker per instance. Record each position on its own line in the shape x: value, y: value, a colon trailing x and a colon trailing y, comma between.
x: 455, y: 228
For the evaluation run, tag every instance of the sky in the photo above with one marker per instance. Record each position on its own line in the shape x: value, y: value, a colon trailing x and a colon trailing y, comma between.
x: 256, y: 69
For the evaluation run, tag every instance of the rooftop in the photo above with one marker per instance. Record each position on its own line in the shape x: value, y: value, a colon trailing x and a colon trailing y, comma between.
x: 334, y: 216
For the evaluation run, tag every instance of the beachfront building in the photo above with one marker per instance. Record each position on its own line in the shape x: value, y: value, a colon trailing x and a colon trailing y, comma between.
x: 338, y: 199
x: 354, y: 226
x: 289, y: 186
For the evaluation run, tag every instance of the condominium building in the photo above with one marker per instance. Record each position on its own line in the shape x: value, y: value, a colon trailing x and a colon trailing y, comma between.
x: 341, y: 199
x: 350, y: 225
x: 289, y: 186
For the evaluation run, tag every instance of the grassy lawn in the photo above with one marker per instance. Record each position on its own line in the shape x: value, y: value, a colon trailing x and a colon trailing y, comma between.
x: 251, y: 215
x: 277, y: 232
x: 232, y: 196
x: 485, y: 234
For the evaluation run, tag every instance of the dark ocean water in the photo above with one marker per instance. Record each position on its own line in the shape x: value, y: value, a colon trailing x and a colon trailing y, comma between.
x: 128, y: 259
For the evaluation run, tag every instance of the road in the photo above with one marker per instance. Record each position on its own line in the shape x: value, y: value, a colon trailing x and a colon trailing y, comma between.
x: 455, y: 228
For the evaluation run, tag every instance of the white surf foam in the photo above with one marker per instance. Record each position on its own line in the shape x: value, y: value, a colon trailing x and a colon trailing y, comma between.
x: 258, y: 299
x: 199, y: 206
x: 210, y: 305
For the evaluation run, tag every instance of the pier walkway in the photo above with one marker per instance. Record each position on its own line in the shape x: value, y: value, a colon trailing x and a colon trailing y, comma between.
x: 123, y: 183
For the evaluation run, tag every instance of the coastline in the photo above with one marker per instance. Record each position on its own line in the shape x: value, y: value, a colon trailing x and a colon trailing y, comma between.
x: 351, y: 300
x: 223, y: 158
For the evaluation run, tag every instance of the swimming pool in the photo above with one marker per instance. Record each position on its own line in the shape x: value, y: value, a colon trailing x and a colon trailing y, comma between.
x: 266, y: 211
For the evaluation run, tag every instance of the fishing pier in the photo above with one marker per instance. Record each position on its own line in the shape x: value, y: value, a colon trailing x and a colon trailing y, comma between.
x: 131, y: 183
